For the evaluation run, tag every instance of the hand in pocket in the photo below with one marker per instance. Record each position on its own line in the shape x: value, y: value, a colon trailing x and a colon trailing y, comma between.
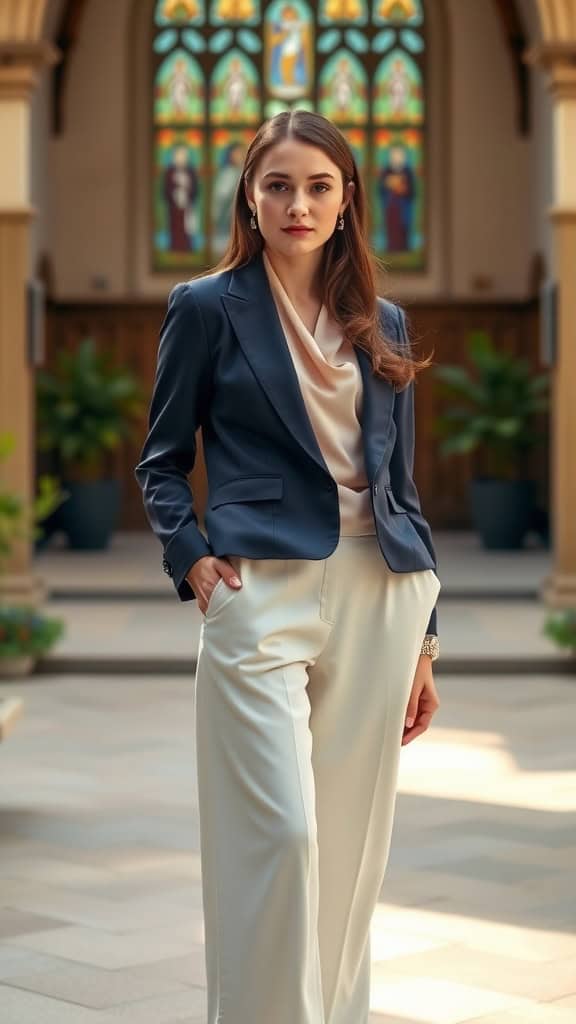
x: 206, y: 573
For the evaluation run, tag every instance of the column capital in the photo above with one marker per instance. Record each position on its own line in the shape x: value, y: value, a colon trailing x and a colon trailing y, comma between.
x: 559, y: 60
x: 20, y: 64
x: 562, y: 215
x: 22, y: 214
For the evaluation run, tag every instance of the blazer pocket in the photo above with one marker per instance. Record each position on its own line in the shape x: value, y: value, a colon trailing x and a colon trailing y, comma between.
x: 248, y: 488
x: 393, y: 503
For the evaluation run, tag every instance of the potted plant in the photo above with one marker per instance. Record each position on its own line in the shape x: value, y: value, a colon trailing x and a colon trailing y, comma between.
x: 496, y: 421
x: 25, y: 634
x: 560, y: 626
x: 86, y: 407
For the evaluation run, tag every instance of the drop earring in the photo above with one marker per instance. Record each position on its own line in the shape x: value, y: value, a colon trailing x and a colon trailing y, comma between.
x: 340, y: 224
x: 253, y: 223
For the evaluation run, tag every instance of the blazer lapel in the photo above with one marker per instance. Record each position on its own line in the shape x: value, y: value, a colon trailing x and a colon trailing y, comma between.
x: 250, y: 305
x: 377, y: 408
x: 252, y: 311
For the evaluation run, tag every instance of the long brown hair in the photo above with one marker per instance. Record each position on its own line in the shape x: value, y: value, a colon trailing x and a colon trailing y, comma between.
x: 348, y: 283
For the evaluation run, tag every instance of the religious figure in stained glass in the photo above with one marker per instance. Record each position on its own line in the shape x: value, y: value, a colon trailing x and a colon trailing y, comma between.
x: 342, y: 89
x: 398, y: 195
x: 179, y: 89
x: 397, y: 90
x: 180, y: 192
x: 229, y: 155
x: 397, y: 192
x: 289, y: 49
x: 234, y: 94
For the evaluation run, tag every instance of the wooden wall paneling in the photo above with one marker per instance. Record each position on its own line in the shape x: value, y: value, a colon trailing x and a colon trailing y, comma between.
x: 129, y: 330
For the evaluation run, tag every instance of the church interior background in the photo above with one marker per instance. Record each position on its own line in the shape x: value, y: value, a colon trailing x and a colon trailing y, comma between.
x: 126, y: 121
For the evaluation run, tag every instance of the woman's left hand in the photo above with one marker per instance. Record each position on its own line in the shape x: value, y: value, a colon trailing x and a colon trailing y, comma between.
x: 423, y: 701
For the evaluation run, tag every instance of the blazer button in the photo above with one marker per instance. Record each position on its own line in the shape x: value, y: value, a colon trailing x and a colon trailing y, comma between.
x: 375, y: 488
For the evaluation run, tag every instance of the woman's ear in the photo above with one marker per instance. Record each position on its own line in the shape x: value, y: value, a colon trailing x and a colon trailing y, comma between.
x: 348, y: 194
x: 249, y: 193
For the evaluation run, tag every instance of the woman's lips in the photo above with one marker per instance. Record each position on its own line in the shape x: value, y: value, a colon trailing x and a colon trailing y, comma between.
x: 297, y: 231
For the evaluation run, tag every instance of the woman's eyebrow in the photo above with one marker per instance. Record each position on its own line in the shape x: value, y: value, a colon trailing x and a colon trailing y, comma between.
x: 282, y: 174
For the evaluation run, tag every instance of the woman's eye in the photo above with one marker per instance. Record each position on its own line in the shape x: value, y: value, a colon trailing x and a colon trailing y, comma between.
x: 319, y: 186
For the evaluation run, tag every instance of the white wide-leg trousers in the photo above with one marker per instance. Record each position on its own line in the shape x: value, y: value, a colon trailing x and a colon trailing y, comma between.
x: 301, y: 689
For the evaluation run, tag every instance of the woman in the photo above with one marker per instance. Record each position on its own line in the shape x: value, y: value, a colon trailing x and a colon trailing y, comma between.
x: 316, y: 578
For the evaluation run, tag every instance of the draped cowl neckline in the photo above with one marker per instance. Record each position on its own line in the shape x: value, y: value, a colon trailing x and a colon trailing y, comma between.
x: 328, y: 355
x: 331, y: 383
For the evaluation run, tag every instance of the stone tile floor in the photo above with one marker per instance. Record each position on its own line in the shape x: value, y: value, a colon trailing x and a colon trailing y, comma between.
x: 101, y: 916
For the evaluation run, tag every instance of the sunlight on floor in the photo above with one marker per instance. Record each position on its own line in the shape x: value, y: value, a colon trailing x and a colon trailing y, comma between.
x: 465, y: 764
x: 431, y: 968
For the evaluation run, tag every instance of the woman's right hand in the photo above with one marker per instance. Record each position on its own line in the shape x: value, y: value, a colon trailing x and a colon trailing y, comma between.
x: 204, y: 575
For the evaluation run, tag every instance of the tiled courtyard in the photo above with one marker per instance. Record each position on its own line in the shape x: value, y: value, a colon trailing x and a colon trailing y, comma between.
x: 100, y: 868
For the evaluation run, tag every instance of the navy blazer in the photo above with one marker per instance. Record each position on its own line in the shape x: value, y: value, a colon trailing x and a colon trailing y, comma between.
x: 224, y: 365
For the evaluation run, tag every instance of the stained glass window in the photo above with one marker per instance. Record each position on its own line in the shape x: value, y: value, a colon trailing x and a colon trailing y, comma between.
x: 220, y: 67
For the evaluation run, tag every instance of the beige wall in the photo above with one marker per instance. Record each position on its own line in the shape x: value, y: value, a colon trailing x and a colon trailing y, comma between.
x: 40, y: 193
x: 542, y: 145
x: 86, y: 165
x: 489, y: 187
x: 40, y: 196
x: 492, y: 166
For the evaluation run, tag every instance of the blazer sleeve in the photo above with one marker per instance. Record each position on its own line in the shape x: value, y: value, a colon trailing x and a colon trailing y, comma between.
x: 402, y: 462
x: 178, y: 406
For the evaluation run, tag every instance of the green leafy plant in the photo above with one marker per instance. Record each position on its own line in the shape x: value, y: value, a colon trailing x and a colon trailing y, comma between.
x: 11, y: 507
x: 24, y: 630
x: 560, y: 626
x: 16, y: 523
x: 86, y: 407
x: 497, y: 408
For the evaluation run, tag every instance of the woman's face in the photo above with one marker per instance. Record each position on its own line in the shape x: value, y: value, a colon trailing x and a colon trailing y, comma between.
x: 296, y: 184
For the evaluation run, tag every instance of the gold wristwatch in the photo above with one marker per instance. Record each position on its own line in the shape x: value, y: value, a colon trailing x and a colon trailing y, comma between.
x: 431, y: 646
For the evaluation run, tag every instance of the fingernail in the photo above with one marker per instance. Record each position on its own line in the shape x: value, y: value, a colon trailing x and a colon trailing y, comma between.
x: 409, y: 723
x: 235, y: 581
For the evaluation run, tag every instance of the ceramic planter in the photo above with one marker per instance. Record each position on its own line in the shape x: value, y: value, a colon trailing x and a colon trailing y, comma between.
x: 90, y: 514
x: 17, y: 665
x: 502, y: 511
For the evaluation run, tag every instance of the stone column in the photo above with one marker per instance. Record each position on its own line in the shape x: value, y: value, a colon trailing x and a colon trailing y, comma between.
x: 20, y: 62
x: 559, y: 61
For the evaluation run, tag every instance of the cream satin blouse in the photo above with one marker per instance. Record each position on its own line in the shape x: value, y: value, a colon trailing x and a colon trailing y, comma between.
x: 331, y: 385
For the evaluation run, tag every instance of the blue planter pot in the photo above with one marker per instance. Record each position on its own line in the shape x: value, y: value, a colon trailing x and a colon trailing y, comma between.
x: 91, y: 513
x: 502, y: 511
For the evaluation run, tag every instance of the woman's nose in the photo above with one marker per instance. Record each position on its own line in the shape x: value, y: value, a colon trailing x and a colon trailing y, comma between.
x: 298, y: 204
